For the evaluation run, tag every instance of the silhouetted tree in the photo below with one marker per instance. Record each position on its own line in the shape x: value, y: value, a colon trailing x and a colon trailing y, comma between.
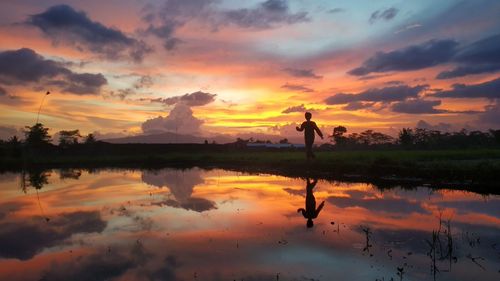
x: 37, y: 135
x: 38, y: 178
x: 241, y: 143
x: 496, y: 135
x: 338, y: 135
x: 364, y: 139
x: 369, y: 137
x: 284, y: 141
x: 432, y: 139
x: 13, y: 147
x: 90, y: 139
x: 14, y: 141
x: 70, y: 174
x: 406, y: 137
x: 67, y: 138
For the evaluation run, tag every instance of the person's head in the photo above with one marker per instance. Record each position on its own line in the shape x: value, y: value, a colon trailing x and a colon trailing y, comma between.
x: 308, y: 116
x: 310, y: 223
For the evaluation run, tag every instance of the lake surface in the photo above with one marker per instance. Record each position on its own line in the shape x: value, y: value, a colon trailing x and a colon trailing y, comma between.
x: 220, y: 225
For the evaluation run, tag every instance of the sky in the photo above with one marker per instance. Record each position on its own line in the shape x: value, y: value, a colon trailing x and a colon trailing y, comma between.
x: 248, y: 68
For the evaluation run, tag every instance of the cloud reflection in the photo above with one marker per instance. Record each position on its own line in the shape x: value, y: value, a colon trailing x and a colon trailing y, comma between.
x: 181, y: 184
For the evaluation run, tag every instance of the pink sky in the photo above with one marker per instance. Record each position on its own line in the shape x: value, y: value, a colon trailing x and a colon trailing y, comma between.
x: 256, y: 66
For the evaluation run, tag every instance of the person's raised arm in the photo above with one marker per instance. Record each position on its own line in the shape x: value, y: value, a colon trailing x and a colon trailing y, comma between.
x: 303, y: 211
x: 318, y: 131
x: 301, y: 128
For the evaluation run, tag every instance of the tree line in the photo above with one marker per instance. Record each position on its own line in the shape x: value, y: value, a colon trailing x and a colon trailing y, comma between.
x: 415, y: 138
x: 38, y: 140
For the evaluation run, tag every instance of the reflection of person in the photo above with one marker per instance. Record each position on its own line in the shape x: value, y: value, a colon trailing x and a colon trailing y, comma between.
x: 309, y: 127
x: 310, y: 212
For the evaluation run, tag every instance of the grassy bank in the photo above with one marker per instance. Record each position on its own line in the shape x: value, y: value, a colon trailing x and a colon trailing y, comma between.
x: 478, y: 168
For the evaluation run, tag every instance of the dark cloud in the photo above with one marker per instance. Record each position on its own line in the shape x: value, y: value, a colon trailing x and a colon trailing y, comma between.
x: 357, y: 105
x: 123, y: 93
x: 302, y: 73
x: 81, y: 84
x: 372, y: 77
x: 265, y: 15
x: 386, y: 15
x: 167, y: 270
x: 165, y: 32
x: 417, y: 106
x: 8, y: 99
x: 297, y: 88
x: 295, y: 192
x: 63, y: 24
x: 394, y: 82
x: 178, y: 12
x: 192, y: 204
x: 107, y: 264
x: 482, y: 56
x: 491, y: 115
x: 489, y: 90
x: 358, y: 194
x: 275, y: 5
x: 468, y: 70
x: 163, y: 21
x: 26, y: 66
x: 193, y: 99
x: 479, y: 57
x: 414, y: 57
x: 298, y: 108
x: 97, y: 266
x: 482, y: 51
x: 22, y: 239
x: 144, y: 81
x: 487, y: 207
x: 388, y: 205
x: 388, y: 94
x: 8, y: 208
x: 179, y: 120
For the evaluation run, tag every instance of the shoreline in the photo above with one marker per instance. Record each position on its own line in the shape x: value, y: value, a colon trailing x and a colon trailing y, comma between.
x: 473, y: 170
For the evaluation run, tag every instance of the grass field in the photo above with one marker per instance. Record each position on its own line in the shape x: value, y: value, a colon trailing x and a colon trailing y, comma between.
x: 444, y: 167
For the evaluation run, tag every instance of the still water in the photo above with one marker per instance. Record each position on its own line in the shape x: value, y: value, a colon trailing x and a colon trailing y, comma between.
x: 221, y: 225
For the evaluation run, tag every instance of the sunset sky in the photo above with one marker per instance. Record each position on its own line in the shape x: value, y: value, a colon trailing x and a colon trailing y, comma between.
x: 207, y: 67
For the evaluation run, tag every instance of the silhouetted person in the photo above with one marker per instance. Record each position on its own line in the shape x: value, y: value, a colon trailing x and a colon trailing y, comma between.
x: 310, y: 212
x: 309, y: 127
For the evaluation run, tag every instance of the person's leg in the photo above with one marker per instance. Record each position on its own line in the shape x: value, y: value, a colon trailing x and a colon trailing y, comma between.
x: 309, y: 153
x: 309, y: 146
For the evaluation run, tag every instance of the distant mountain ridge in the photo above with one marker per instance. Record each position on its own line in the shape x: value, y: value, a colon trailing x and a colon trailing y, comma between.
x: 169, y: 137
x: 166, y: 137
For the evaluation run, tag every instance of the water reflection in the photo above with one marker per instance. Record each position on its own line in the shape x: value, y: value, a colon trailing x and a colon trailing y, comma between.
x: 181, y: 184
x: 310, y: 212
x: 218, y: 225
